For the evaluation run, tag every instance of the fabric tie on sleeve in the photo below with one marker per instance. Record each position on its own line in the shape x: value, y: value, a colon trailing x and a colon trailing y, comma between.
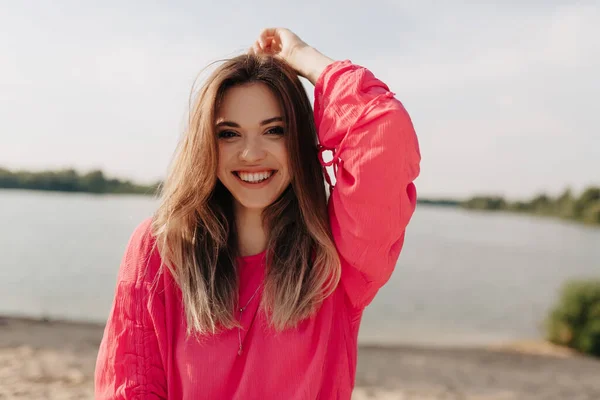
x: 336, y: 162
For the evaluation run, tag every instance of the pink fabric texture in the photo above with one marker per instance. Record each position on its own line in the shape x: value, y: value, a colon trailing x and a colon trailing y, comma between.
x: 145, y: 354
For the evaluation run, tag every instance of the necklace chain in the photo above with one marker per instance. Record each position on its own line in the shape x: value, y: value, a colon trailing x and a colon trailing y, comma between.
x: 241, y: 310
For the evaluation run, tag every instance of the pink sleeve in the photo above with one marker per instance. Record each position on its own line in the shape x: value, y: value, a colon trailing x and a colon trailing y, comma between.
x: 376, y: 158
x: 130, y: 362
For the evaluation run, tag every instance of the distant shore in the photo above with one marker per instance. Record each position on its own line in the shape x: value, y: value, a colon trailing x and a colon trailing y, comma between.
x: 72, y: 181
x: 55, y: 360
x: 584, y: 208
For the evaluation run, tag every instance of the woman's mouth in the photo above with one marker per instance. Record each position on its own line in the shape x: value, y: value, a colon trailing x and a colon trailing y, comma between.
x: 254, y: 177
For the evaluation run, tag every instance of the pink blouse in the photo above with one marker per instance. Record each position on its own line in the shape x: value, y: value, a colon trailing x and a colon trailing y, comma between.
x: 144, y: 352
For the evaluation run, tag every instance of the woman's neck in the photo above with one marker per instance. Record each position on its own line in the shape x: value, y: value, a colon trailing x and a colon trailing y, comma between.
x: 252, y: 237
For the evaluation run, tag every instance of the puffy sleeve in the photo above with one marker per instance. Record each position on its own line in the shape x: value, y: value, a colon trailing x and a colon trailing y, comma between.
x: 376, y: 158
x: 131, y: 359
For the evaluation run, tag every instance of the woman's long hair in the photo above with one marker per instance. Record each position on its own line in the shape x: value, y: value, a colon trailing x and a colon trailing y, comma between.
x: 194, y: 225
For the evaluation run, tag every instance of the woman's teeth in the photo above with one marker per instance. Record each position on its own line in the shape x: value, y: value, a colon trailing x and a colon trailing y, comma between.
x: 255, y: 177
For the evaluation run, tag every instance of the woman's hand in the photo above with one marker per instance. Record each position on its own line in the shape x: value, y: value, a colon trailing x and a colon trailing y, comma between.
x: 279, y: 42
x: 287, y: 46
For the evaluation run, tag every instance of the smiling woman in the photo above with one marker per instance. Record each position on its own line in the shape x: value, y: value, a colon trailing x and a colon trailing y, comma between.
x: 248, y: 283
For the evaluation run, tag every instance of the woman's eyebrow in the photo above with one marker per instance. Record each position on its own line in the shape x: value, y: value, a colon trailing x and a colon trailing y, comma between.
x: 232, y: 124
x: 270, y: 120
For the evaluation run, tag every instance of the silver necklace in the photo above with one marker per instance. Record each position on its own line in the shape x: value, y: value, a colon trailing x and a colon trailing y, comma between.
x: 241, y: 311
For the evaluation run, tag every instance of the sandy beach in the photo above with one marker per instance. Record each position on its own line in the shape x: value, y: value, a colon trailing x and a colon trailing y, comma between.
x: 55, y: 360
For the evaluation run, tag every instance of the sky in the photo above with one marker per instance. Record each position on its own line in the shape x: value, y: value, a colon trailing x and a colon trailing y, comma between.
x: 503, y: 97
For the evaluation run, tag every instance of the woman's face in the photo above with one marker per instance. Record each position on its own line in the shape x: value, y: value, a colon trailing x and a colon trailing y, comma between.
x: 253, y: 159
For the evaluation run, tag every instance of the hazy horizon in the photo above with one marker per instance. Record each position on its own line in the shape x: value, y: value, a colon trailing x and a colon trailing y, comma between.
x: 503, y: 97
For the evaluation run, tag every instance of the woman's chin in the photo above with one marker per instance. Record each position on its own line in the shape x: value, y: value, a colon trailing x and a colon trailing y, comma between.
x: 258, y: 200
x: 253, y: 204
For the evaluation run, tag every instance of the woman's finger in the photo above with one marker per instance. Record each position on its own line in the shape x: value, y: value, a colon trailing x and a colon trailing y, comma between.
x: 268, y: 32
x: 266, y: 35
x: 269, y: 41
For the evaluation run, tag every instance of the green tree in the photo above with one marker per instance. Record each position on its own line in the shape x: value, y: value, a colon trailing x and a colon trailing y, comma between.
x: 591, y: 214
x: 565, y: 204
x: 94, y: 182
x: 589, y: 196
x: 541, y: 204
x: 486, y: 203
x: 8, y: 179
x: 575, y: 320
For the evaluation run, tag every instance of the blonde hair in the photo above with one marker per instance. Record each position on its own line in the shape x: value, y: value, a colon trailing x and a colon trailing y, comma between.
x: 194, y: 224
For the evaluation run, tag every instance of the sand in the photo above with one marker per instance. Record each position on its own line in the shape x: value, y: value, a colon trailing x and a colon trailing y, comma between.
x: 55, y: 360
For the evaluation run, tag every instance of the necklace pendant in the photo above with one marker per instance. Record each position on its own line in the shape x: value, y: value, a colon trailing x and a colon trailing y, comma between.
x: 241, y: 311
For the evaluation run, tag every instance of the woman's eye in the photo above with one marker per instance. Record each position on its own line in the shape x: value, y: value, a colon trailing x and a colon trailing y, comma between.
x: 227, y: 134
x: 276, y: 130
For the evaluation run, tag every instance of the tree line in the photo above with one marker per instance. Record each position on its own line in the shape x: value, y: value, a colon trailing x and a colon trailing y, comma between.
x: 69, y: 180
x: 584, y: 208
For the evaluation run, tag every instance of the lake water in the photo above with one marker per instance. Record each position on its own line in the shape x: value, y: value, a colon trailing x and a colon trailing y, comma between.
x: 463, y: 277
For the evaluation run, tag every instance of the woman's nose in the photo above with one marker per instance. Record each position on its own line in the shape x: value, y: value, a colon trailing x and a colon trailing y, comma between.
x: 252, y: 151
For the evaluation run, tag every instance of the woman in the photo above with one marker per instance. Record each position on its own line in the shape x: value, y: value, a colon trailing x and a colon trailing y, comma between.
x: 246, y: 284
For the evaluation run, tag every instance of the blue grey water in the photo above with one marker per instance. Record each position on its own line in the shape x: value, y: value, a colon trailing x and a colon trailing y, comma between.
x: 463, y: 277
